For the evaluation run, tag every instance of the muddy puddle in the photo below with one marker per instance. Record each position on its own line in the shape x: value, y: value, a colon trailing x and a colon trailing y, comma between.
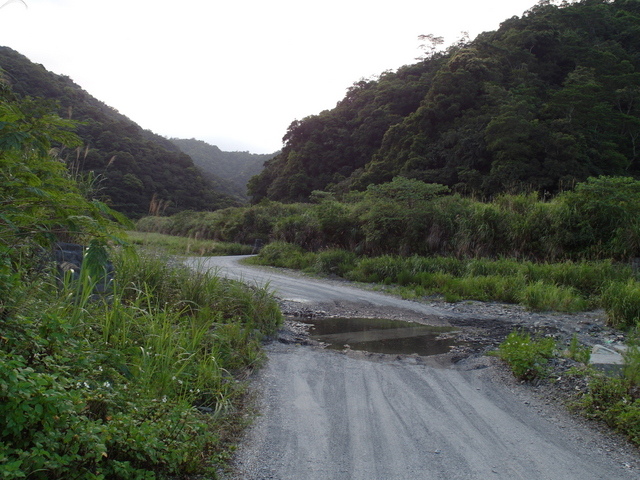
x: 377, y: 335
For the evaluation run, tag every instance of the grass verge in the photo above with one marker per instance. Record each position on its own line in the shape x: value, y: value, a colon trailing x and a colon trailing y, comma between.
x: 567, y: 286
x: 175, y: 245
x: 138, y: 383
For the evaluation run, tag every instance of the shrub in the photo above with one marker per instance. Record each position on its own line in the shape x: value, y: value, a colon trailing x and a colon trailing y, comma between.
x: 377, y: 269
x: 334, y: 262
x: 606, y: 399
x: 615, y: 400
x: 93, y: 389
x: 302, y: 230
x: 285, y: 255
x: 606, y: 216
x: 527, y: 357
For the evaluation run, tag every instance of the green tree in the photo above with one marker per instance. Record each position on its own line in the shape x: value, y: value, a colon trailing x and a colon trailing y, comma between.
x: 40, y: 202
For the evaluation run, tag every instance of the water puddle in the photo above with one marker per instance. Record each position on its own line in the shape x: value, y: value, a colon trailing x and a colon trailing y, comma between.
x: 378, y: 335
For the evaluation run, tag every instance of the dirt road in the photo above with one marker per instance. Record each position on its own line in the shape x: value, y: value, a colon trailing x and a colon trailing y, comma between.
x: 331, y: 415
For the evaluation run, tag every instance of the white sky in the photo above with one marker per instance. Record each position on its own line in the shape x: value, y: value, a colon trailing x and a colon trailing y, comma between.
x: 233, y: 73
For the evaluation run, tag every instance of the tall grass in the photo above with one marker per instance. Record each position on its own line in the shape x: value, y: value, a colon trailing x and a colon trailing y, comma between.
x: 568, y: 286
x: 541, y: 296
x: 285, y: 255
x: 595, y: 221
x: 177, y: 245
x: 622, y: 303
x: 133, y: 383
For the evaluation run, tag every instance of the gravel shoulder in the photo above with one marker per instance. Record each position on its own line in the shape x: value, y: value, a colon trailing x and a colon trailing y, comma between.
x: 353, y: 415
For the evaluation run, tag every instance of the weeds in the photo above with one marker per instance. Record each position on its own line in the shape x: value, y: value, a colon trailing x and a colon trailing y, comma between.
x: 116, y: 388
x: 541, y: 296
x: 175, y: 245
x: 528, y: 357
x: 285, y: 255
x: 576, y: 351
x: 564, y: 287
x: 615, y: 400
x: 621, y: 300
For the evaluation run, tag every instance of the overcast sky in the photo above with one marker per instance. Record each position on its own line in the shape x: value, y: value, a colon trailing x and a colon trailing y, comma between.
x: 233, y: 73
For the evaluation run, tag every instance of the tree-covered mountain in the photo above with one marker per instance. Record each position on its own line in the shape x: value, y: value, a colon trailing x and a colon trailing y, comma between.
x: 548, y: 99
x: 135, y: 168
x: 233, y: 168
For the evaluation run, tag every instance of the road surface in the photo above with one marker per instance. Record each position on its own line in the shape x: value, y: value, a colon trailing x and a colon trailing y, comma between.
x: 326, y: 415
x: 309, y: 291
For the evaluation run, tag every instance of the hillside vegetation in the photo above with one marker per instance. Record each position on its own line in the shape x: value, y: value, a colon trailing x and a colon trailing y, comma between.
x: 132, y: 376
x: 134, y: 168
x: 546, y: 101
x: 233, y: 168
x: 599, y: 219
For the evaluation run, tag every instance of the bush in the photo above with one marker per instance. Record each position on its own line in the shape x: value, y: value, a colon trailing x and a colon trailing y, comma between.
x: 334, y: 262
x: 285, y: 255
x: 616, y: 400
x: 384, y: 269
x: 606, y: 217
x: 527, y: 357
x: 606, y: 399
x: 94, y: 389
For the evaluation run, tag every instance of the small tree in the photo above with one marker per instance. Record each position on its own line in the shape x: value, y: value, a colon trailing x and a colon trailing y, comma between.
x: 40, y: 202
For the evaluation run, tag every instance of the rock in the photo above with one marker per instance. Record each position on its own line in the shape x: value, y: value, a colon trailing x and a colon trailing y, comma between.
x: 69, y: 258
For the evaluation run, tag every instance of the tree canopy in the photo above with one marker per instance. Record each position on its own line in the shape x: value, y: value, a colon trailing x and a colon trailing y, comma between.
x: 547, y: 100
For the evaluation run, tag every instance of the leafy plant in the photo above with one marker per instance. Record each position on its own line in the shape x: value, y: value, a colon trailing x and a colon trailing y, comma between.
x: 334, y: 262
x: 616, y: 400
x: 528, y: 357
x: 287, y: 255
x: 133, y: 384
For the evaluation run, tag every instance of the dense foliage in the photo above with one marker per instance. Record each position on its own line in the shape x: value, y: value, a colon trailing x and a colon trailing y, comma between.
x: 132, y: 382
x: 40, y: 200
x: 229, y: 171
x: 598, y: 219
x: 547, y: 100
x: 136, y: 168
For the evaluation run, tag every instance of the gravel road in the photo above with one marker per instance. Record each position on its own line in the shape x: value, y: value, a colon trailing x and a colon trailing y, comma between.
x: 332, y: 415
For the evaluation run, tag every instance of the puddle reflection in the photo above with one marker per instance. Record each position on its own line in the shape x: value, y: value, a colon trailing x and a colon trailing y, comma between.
x: 378, y: 335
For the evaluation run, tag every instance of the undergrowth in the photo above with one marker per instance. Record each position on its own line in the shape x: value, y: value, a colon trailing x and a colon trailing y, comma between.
x: 615, y: 400
x: 133, y: 384
x: 569, y: 286
x: 528, y: 357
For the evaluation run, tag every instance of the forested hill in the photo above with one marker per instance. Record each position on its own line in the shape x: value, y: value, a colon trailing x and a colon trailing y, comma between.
x: 234, y: 168
x: 548, y: 99
x: 136, y: 167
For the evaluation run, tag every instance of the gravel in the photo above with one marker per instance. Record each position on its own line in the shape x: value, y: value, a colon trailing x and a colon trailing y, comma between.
x: 462, y: 415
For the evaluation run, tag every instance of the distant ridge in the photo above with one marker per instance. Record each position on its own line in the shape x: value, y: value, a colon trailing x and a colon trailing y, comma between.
x: 233, y: 168
x: 136, y: 167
